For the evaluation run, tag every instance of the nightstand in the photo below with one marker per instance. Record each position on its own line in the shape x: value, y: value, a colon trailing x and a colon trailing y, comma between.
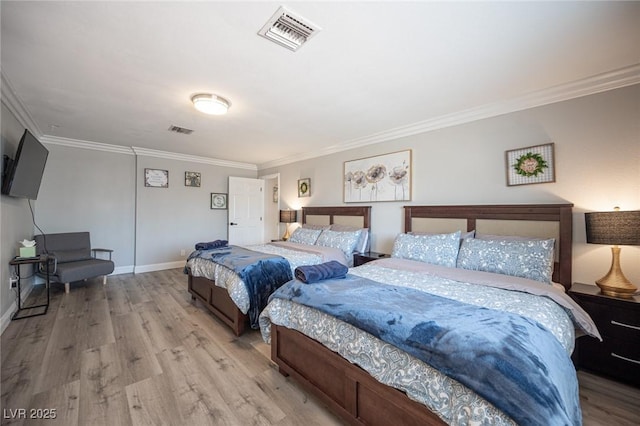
x: 362, y: 258
x: 618, y: 320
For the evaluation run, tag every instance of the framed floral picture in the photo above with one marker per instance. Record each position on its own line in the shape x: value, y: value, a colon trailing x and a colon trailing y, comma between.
x: 192, y: 179
x: 533, y: 164
x: 381, y: 178
x: 304, y: 187
x: 156, y: 178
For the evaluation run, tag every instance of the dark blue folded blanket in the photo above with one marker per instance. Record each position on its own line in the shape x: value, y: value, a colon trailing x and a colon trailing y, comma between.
x: 212, y: 245
x: 323, y: 271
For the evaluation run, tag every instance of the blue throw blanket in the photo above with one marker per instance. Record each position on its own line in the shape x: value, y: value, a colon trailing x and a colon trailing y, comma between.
x: 509, y: 360
x: 261, y: 273
x: 323, y: 271
x: 211, y: 245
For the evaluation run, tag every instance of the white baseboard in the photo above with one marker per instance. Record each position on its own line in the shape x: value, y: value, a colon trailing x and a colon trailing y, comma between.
x: 159, y: 266
x: 6, y: 318
x: 129, y: 269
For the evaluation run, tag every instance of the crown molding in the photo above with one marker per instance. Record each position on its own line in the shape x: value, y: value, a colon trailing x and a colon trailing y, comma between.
x: 17, y: 108
x: 611, y: 80
x: 192, y: 158
x: 83, y: 144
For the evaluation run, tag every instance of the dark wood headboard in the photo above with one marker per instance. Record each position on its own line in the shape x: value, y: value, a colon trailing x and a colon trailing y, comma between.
x: 475, y: 214
x: 339, y: 211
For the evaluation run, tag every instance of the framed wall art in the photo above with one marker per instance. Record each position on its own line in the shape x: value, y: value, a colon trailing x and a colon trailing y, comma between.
x: 381, y: 178
x: 218, y: 200
x: 156, y: 178
x: 533, y: 164
x: 192, y: 179
x: 304, y: 187
x: 275, y: 194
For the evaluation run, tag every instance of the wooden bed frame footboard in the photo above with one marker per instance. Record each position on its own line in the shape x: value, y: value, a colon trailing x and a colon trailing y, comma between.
x: 217, y: 300
x: 345, y: 388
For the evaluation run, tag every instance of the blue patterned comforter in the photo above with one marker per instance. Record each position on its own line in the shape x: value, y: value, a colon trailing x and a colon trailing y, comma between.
x: 493, y: 353
x: 261, y: 273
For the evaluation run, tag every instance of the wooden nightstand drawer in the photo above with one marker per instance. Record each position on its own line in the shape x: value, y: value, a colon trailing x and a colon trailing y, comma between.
x: 612, y: 357
x: 617, y: 323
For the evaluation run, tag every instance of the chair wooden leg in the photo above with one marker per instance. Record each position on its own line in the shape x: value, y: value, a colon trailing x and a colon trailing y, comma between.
x: 104, y: 280
x: 66, y: 288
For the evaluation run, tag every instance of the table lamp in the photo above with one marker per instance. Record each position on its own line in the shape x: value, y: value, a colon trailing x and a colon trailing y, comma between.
x: 614, y: 228
x: 288, y: 216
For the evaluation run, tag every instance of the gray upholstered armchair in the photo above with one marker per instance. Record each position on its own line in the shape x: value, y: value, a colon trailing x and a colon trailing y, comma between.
x: 73, y: 258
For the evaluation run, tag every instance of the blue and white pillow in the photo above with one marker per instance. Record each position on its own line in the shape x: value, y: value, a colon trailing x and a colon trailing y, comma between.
x: 532, y: 258
x: 305, y: 236
x: 345, y: 241
x: 437, y: 249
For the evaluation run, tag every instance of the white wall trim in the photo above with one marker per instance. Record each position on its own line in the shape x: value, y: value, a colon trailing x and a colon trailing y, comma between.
x: 192, y: 158
x: 159, y: 266
x: 588, y: 86
x: 5, y: 320
x: 129, y: 269
x: 77, y: 143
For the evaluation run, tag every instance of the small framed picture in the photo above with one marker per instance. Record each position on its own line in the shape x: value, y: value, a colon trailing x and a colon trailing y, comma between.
x: 533, y: 164
x: 304, y: 187
x: 192, y: 179
x: 218, y: 200
x: 156, y: 178
x: 275, y: 194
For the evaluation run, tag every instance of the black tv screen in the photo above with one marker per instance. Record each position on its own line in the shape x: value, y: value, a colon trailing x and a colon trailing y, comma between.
x: 22, y: 176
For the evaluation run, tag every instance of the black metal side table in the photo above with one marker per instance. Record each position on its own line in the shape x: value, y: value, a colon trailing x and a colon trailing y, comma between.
x: 16, y: 262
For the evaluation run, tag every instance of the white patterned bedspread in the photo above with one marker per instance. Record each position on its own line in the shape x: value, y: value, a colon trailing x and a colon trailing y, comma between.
x: 296, y: 255
x: 453, y: 402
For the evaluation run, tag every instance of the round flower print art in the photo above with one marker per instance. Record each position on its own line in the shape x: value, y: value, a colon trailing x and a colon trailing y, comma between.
x: 530, y: 164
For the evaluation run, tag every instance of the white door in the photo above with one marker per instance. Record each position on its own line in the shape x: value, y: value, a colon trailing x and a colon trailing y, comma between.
x: 246, y: 210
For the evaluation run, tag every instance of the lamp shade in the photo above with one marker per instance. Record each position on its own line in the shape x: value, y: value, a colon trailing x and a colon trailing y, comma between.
x: 613, y: 228
x: 288, y: 216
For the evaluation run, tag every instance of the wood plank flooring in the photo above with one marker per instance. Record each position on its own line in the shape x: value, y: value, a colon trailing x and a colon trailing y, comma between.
x: 139, y: 352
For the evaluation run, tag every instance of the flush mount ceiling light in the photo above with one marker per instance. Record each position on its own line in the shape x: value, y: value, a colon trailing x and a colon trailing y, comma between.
x: 210, y: 104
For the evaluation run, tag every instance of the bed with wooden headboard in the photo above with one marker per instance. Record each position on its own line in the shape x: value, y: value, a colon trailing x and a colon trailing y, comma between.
x: 351, y: 392
x: 217, y: 300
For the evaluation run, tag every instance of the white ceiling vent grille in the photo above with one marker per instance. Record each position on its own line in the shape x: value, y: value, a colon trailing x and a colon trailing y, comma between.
x: 179, y: 129
x: 288, y: 30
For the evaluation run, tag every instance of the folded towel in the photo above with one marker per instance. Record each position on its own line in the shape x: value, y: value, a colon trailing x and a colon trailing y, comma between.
x: 212, y: 245
x: 323, y: 271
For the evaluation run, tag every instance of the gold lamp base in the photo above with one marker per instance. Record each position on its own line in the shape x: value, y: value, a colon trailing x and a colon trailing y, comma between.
x: 286, y: 235
x: 615, y: 283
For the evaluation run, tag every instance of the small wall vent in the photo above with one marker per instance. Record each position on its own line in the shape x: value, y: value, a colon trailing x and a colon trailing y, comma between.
x: 179, y: 129
x: 288, y: 30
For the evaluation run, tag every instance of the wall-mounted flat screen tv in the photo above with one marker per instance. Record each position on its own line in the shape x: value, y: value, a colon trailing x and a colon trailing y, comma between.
x: 23, y: 174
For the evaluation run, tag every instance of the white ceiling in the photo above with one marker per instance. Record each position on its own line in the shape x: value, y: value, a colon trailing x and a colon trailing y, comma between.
x: 122, y: 72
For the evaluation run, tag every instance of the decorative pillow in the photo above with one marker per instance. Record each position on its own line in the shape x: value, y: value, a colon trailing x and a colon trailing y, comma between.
x: 437, y: 249
x: 72, y: 255
x: 363, y: 241
x: 345, y: 241
x: 305, y: 236
x: 532, y: 259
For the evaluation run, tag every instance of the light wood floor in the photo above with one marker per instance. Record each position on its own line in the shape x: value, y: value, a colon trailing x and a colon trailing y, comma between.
x: 138, y: 352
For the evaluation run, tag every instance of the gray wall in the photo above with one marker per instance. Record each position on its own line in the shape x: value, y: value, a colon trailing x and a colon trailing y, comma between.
x: 90, y: 190
x: 173, y: 219
x: 15, y: 217
x: 597, y: 147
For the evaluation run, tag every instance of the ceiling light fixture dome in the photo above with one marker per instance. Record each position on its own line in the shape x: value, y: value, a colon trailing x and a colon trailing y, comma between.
x: 210, y: 104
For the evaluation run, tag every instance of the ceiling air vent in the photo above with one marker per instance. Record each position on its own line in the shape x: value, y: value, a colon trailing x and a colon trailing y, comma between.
x: 178, y: 129
x: 288, y: 30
